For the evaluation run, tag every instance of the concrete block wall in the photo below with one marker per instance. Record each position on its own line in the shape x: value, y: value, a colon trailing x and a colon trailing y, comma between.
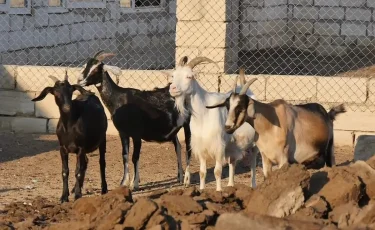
x: 142, y: 40
x: 18, y: 113
x: 211, y: 29
x: 327, y: 27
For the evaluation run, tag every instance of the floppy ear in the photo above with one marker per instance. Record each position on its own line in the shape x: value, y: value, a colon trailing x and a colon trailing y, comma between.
x: 219, y: 104
x: 147, y: 107
x: 43, y: 94
x: 113, y: 69
x: 81, y: 90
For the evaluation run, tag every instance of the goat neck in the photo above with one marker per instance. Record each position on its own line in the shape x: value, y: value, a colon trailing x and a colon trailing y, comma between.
x: 196, y: 100
x: 265, y: 117
x: 107, y: 92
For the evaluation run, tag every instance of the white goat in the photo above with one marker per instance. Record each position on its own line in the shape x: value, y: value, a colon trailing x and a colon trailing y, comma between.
x: 208, y: 137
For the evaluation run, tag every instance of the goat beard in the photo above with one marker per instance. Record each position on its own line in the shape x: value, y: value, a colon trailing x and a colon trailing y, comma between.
x: 181, y: 104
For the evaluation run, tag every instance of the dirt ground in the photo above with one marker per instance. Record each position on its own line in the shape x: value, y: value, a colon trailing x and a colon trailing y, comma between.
x: 30, y: 166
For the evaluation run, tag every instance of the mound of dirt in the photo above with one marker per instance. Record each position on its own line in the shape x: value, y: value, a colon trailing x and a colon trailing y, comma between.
x: 290, y: 198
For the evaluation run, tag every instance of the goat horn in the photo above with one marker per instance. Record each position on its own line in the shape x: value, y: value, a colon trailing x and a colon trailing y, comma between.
x: 247, y: 85
x: 183, y: 61
x: 242, y: 76
x: 195, y: 61
x: 103, y: 56
x: 53, y: 78
x: 66, y: 75
x: 97, y: 54
x: 235, y: 84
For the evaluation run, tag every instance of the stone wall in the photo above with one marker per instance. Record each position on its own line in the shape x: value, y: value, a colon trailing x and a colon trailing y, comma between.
x: 327, y: 27
x: 143, y: 40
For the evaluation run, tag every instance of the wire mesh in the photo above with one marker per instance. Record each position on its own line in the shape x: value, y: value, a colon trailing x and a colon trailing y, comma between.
x: 301, y: 50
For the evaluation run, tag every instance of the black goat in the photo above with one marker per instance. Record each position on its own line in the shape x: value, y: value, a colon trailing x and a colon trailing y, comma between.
x: 81, y: 129
x: 148, y: 115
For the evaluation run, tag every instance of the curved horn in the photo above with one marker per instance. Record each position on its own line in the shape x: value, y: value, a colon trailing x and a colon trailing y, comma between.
x: 53, y: 78
x: 97, y: 54
x: 103, y: 56
x: 183, y: 61
x: 246, y: 86
x: 235, y: 84
x: 195, y: 61
x: 66, y: 75
x: 242, y: 76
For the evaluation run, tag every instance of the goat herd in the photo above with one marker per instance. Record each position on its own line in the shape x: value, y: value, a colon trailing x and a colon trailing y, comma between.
x: 222, y: 126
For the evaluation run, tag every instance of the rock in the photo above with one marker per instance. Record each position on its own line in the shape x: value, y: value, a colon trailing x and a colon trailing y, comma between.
x: 213, y: 195
x: 254, y: 221
x: 344, y: 215
x: 371, y: 161
x: 366, y: 215
x: 140, y: 213
x: 159, y: 218
x: 367, y: 174
x: 370, y: 189
x: 318, y: 205
x: 180, y: 205
x: 191, y: 191
x: 365, y: 147
x: 213, y: 206
x: 156, y: 227
x: 26, y: 224
x: 342, y: 187
x: 116, y: 216
x: 121, y: 191
x: 200, y: 218
x: 85, y: 205
x: 281, y: 194
x: 243, y: 193
x: 157, y: 194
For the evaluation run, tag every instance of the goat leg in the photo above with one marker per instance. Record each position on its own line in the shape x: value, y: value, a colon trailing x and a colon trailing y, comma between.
x: 202, y: 172
x: 232, y: 168
x: 102, y: 151
x: 65, y: 174
x: 125, y: 159
x: 187, y: 133
x: 267, y: 165
x: 137, y: 143
x: 80, y: 173
x: 177, y: 148
x: 218, y: 171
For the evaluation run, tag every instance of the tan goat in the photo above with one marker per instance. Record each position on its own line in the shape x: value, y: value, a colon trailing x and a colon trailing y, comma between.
x: 285, y: 133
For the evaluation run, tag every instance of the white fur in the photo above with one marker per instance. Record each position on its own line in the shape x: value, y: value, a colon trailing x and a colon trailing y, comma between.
x: 208, y: 137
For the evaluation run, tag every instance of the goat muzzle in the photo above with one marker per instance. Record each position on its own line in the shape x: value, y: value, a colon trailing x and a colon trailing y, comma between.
x: 66, y: 108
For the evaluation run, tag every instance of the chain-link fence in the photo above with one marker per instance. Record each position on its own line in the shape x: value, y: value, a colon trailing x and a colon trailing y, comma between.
x: 301, y: 50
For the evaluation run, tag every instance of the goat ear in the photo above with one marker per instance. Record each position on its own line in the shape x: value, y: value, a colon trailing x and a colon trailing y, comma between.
x: 251, y: 109
x: 113, y: 69
x: 147, y: 107
x: 43, y: 94
x: 219, y: 104
x: 81, y: 90
x: 168, y: 74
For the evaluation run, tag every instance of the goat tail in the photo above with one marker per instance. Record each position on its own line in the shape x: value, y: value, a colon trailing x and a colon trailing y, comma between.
x: 334, y: 111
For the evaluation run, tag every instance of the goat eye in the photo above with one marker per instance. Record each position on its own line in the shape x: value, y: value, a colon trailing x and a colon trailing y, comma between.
x: 189, y: 77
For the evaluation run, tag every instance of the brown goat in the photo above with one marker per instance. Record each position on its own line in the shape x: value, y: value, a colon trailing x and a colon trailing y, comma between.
x: 285, y: 133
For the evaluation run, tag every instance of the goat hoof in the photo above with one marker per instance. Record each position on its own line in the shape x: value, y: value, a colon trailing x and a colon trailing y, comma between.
x: 64, y: 199
x: 77, y: 196
x: 104, y: 190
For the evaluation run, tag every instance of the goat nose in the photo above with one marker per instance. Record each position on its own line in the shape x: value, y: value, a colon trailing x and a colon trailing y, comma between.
x: 66, y: 108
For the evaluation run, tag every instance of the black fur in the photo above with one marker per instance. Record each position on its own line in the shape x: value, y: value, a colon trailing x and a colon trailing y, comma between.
x: 141, y: 115
x: 81, y: 129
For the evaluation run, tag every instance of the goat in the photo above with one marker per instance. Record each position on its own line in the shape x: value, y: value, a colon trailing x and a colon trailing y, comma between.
x: 81, y: 129
x: 141, y: 115
x: 208, y: 138
x: 285, y: 133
